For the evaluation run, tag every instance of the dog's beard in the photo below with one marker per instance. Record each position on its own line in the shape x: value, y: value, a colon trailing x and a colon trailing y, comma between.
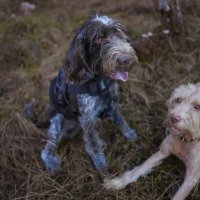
x: 186, y: 129
x: 183, y: 133
x: 111, y: 50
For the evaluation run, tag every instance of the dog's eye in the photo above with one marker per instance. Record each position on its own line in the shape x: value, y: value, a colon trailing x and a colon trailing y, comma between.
x: 178, y: 100
x: 98, y: 40
x: 197, y: 107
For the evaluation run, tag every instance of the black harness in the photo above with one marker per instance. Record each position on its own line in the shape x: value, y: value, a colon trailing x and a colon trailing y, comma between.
x: 63, y: 95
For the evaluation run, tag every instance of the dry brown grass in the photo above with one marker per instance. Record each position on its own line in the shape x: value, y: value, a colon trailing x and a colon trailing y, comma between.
x: 32, y: 50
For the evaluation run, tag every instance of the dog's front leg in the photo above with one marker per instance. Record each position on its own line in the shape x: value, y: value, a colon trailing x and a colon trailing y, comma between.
x: 94, y: 146
x: 132, y: 175
x: 52, y: 162
x: 90, y: 108
x: 191, y: 179
x: 60, y: 129
x: 117, y: 117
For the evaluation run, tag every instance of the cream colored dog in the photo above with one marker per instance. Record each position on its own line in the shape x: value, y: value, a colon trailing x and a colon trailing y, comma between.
x: 183, y: 141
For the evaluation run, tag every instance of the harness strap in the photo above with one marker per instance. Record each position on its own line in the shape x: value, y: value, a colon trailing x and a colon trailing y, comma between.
x: 99, y: 85
x: 95, y: 87
x: 59, y: 97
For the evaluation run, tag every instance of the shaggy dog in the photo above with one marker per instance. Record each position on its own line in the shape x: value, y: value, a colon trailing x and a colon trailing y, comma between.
x: 85, y: 90
x: 183, y: 141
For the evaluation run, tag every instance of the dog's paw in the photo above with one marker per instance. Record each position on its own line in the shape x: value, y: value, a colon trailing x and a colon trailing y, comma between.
x: 115, y: 183
x: 131, y: 135
x: 100, y: 163
x: 52, y: 162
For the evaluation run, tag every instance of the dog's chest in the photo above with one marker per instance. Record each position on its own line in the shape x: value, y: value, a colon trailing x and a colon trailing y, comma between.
x: 93, y: 105
x: 186, y: 151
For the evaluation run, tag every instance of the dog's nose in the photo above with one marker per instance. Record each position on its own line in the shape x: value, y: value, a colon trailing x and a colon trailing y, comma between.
x: 175, y: 118
x: 124, y: 59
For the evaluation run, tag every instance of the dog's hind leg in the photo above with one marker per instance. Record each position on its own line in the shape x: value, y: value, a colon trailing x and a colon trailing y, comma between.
x: 59, y: 129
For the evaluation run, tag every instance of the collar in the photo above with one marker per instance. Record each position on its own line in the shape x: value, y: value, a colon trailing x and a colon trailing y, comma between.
x: 186, y: 137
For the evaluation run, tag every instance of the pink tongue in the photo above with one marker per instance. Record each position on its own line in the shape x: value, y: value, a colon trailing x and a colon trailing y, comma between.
x: 123, y: 76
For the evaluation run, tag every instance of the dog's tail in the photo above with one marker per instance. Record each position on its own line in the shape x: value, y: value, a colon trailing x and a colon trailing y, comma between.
x: 36, y: 114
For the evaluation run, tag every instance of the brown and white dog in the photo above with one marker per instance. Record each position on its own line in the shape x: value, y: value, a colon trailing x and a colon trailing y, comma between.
x: 183, y: 141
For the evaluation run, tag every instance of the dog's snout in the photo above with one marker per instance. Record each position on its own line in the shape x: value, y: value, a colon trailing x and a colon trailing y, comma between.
x: 175, y: 118
x: 124, y: 59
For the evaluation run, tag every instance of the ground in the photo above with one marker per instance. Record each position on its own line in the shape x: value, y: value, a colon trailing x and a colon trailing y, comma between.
x: 32, y: 51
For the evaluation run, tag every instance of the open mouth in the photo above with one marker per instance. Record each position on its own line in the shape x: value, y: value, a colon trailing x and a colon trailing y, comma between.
x: 122, y: 76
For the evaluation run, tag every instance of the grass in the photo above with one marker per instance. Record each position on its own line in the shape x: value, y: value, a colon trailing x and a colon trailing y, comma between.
x: 32, y: 50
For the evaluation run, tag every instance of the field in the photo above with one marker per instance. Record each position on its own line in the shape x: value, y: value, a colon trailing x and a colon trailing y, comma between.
x: 32, y: 50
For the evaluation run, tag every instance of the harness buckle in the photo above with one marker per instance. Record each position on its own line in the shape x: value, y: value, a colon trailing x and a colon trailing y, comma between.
x: 102, y: 86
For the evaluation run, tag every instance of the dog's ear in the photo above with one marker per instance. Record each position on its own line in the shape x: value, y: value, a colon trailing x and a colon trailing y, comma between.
x: 168, y: 102
x: 76, y: 61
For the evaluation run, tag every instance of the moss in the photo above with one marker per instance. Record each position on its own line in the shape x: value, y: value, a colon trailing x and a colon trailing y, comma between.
x: 24, y: 25
x: 132, y: 32
x: 144, y: 63
x: 24, y: 58
x: 21, y: 39
x: 33, y: 73
x: 4, y: 112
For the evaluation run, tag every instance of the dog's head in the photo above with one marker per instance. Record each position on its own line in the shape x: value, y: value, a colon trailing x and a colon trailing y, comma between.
x: 100, y: 47
x: 184, y: 111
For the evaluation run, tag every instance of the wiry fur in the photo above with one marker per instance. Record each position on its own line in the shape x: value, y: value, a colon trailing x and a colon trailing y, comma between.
x: 98, y: 49
x: 183, y: 141
x: 110, y: 52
